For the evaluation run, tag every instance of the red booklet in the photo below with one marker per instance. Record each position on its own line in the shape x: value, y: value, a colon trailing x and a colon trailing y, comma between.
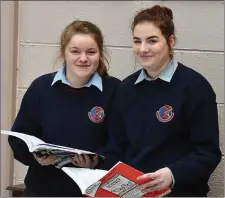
x: 120, y: 180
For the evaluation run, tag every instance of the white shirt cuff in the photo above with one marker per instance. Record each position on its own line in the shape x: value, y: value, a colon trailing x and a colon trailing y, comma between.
x: 173, y: 180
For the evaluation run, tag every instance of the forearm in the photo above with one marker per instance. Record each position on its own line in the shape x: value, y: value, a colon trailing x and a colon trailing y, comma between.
x: 20, y: 151
x: 195, y: 168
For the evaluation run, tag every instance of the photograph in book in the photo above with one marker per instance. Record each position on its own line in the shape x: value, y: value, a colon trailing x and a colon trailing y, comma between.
x: 119, y: 181
x: 42, y: 149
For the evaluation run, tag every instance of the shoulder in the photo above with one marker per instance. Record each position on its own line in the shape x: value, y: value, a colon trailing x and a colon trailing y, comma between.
x: 130, y: 80
x: 194, y: 81
x: 36, y: 88
x: 43, y: 80
x: 112, y: 79
x: 110, y: 82
x: 40, y: 83
x: 126, y: 86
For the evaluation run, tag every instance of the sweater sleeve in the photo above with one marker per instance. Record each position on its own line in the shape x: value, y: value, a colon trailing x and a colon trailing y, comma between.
x: 26, y: 122
x: 204, y: 137
x: 116, y: 144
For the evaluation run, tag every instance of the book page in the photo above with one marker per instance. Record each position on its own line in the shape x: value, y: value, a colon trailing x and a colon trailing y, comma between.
x: 62, y: 150
x: 84, y: 177
x: 30, y: 140
x: 58, y: 147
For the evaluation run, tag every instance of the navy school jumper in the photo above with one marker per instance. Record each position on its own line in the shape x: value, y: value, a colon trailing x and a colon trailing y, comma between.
x: 157, y: 124
x: 60, y: 114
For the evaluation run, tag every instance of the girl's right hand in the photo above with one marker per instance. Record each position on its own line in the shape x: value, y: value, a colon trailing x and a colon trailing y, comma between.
x: 84, y: 161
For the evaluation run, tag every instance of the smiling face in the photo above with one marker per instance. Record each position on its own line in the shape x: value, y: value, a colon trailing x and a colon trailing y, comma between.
x: 81, y: 57
x: 150, y: 47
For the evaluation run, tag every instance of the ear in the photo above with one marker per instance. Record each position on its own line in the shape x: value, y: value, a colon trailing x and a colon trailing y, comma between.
x: 172, y: 41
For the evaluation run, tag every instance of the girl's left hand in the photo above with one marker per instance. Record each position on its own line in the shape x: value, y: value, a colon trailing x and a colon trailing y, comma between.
x: 45, y: 161
x: 84, y: 161
x: 162, y: 179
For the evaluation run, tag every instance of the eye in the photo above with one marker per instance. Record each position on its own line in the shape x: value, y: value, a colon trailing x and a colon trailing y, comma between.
x: 152, y: 41
x: 137, y: 41
x: 91, y: 52
x: 74, y: 51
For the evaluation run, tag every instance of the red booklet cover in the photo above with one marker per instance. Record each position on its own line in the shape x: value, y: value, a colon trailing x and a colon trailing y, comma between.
x: 121, y: 180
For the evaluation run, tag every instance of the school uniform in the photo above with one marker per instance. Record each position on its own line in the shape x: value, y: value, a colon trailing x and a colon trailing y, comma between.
x: 172, y: 122
x: 59, y: 114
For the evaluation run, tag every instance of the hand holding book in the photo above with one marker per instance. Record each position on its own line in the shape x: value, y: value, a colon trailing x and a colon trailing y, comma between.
x: 119, y: 181
x: 64, y: 156
x: 44, y: 160
x: 85, y: 161
x: 157, y: 180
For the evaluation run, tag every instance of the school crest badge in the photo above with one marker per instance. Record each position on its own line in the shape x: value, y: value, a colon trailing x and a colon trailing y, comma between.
x: 165, y: 113
x: 96, y: 114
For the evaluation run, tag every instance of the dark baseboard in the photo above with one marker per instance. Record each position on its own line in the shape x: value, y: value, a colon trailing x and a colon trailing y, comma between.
x: 17, y: 190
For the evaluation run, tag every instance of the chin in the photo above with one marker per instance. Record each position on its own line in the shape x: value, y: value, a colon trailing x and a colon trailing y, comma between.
x: 84, y: 74
x: 147, y: 65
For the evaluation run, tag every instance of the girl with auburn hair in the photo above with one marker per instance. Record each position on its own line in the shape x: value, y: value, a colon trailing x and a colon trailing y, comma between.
x: 168, y: 125
x: 67, y: 108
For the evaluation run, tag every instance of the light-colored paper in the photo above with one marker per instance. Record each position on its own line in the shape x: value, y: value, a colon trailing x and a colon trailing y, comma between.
x: 36, y: 145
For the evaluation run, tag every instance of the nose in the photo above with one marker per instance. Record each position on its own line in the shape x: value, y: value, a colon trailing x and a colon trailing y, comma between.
x: 143, y: 48
x: 83, y: 57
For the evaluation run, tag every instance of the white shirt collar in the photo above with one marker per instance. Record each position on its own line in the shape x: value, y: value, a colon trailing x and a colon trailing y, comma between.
x: 165, y: 75
x: 95, y: 80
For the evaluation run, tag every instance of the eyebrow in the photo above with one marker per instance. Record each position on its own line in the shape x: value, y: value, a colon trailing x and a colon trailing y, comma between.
x: 150, y: 37
x: 79, y: 48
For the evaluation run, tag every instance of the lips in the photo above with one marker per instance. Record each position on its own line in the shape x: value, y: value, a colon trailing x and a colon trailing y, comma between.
x: 83, y: 65
x: 145, y: 56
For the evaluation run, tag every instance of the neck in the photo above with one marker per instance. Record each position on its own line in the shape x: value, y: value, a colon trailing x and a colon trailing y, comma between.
x: 153, y: 74
x: 77, y: 82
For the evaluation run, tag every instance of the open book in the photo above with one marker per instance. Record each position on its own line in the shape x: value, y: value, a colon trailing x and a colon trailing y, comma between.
x: 41, y: 148
x: 119, y: 181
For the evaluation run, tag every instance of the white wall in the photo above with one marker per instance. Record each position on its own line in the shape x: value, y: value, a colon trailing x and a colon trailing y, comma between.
x: 199, y: 27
